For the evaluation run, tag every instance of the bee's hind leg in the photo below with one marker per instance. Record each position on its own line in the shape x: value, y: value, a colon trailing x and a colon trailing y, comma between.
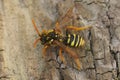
x: 61, y: 56
x: 77, y: 28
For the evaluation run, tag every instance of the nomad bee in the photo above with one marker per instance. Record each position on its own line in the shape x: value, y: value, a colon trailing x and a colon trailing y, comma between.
x: 54, y: 37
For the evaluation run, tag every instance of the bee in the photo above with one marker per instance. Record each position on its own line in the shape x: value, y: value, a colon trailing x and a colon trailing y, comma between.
x: 64, y: 42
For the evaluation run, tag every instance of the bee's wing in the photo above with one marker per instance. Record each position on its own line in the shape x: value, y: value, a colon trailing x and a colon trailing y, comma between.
x: 66, y: 18
x: 70, y: 52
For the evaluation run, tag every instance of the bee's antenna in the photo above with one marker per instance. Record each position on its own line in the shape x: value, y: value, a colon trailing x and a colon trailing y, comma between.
x: 35, y: 27
x: 37, y: 40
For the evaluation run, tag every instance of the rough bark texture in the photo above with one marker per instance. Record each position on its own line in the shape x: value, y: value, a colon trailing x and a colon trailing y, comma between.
x: 20, y: 61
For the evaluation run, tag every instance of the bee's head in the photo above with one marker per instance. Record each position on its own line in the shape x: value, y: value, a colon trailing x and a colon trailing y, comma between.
x: 46, y: 36
x: 43, y: 38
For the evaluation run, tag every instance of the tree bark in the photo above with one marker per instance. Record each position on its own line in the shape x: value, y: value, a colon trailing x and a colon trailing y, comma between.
x: 19, y: 60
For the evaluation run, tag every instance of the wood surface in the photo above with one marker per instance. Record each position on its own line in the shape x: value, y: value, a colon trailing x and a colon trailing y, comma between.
x: 100, y: 57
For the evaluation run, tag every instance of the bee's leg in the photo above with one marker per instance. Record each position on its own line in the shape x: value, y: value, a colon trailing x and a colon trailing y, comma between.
x: 76, y: 58
x: 44, y: 50
x: 36, y: 41
x: 44, y: 31
x: 77, y: 28
x: 57, y: 27
x: 78, y: 63
x: 61, y: 56
x: 71, y: 53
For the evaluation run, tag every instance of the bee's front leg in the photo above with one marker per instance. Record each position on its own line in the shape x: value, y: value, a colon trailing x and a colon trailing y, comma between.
x: 44, y: 50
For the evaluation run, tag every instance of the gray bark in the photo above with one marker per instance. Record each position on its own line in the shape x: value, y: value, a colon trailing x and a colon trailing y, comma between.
x: 19, y: 60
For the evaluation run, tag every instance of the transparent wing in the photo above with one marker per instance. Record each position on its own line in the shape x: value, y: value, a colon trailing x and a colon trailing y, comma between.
x: 66, y: 18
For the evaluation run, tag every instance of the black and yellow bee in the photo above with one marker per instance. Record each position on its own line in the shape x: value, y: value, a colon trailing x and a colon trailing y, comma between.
x: 73, y: 40
x: 55, y: 37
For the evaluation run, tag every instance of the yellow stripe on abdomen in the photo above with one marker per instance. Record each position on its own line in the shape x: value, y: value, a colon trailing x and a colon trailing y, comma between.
x: 73, y: 42
x: 68, y: 40
x: 78, y: 40
x: 82, y: 42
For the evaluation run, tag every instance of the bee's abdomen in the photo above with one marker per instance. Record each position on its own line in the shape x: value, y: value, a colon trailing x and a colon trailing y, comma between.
x: 74, y: 40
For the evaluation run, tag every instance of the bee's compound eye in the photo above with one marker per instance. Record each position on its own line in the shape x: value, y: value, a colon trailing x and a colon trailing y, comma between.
x: 52, y: 34
x: 43, y: 39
